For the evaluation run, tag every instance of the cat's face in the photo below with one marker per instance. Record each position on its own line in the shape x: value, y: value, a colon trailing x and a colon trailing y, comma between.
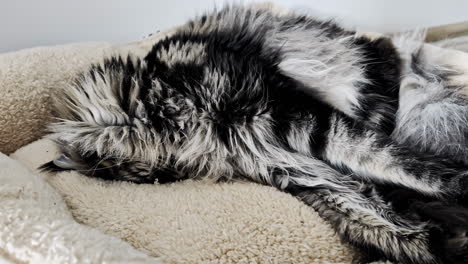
x: 103, y: 129
x: 108, y: 168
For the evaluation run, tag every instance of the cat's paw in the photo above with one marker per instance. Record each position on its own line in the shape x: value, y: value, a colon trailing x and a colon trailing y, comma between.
x: 452, y: 223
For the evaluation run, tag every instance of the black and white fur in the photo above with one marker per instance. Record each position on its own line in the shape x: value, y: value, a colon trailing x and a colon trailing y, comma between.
x: 288, y: 101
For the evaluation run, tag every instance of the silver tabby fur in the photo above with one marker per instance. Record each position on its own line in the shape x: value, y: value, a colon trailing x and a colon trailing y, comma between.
x: 288, y: 101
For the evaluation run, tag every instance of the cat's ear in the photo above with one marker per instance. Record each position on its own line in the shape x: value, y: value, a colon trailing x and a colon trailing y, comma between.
x: 61, y: 163
x: 50, y: 167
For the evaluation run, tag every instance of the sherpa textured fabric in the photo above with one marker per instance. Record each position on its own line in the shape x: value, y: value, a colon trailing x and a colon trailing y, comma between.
x: 36, y: 226
x: 197, y: 222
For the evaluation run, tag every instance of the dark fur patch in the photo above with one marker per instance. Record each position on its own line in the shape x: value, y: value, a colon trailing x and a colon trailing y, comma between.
x: 383, y: 70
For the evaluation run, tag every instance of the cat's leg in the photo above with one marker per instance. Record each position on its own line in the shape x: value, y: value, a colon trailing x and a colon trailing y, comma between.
x: 453, y: 219
x: 354, y: 74
x: 360, y: 216
x: 374, y: 156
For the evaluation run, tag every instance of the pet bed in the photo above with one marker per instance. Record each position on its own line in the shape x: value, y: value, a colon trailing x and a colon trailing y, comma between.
x: 69, y: 218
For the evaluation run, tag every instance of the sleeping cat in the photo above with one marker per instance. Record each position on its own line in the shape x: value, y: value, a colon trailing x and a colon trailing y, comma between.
x: 292, y: 102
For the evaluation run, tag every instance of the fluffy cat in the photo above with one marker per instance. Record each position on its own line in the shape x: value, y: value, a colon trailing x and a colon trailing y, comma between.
x: 292, y: 102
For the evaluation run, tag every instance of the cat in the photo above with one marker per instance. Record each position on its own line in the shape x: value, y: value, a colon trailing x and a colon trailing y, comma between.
x: 286, y: 100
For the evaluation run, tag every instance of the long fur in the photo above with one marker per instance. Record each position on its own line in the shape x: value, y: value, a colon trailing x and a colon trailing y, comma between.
x: 288, y: 101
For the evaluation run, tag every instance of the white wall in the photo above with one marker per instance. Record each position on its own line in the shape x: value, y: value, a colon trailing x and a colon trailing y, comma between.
x: 29, y: 23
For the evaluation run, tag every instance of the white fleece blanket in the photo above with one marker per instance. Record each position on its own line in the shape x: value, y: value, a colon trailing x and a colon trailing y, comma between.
x: 37, y: 227
x: 187, y: 222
